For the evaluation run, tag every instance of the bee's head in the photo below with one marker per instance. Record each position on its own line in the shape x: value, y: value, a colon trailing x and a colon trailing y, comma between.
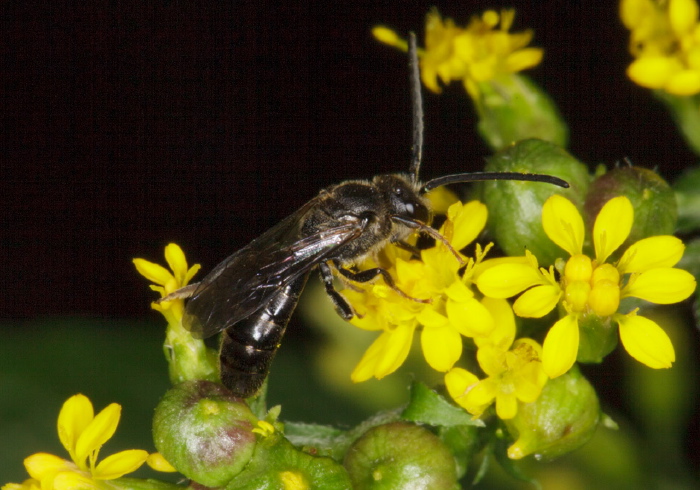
x: 403, y: 197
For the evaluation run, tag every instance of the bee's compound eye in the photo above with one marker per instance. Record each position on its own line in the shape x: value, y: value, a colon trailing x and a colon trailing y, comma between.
x: 398, y: 191
x: 410, y: 208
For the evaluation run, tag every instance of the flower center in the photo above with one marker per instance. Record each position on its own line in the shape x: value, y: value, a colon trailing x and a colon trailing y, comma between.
x: 591, y: 287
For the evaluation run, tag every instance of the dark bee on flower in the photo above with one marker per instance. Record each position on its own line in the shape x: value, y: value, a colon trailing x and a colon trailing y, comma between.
x: 251, y: 295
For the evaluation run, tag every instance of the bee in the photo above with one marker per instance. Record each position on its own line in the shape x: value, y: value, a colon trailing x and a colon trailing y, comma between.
x: 251, y: 295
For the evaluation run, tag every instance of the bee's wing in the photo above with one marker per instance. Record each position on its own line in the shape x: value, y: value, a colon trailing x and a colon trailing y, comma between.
x: 248, y: 279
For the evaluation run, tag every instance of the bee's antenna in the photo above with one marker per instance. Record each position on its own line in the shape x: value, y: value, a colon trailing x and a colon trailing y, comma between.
x: 417, y: 106
x: 476, y: 176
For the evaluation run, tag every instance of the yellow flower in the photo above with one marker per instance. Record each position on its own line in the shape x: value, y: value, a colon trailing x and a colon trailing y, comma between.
x: 447, y: 308
x: 82, y: 434
x: 665, y: 41
x: 514, y: 372
x: 479, y: 52
x: 188, y: 358
x: 168, y: 282
x: 593, y: 286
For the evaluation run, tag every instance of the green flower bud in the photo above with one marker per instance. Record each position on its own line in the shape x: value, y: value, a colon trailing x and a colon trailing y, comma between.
x: 653, y: 200
x: 597, y: 338
x: 513, y: 108
x: 515, y: 208
x: 400, y: 455
x: 562, y: 419
x: 277, y: 464
x: 204, y: 432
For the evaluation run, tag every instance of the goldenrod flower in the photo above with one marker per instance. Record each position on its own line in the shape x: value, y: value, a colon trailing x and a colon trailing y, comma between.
x: 514, y: 369
x: 168, y: 282
x: 592, y: 286
x: 479, y: 52
x: 665, y: 41
x: 82, y: 434
x: 189, y: 358
x: 450, y: 309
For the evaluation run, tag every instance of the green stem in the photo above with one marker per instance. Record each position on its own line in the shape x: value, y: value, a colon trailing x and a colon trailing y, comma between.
x: 685, y: 111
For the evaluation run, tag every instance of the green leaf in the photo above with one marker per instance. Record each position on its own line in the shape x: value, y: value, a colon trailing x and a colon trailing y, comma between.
x: 428, y: 407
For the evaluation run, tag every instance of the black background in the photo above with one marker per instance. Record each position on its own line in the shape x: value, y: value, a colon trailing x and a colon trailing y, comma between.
x: 127, y: 126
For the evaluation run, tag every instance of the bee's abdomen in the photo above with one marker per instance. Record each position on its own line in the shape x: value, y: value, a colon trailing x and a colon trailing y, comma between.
x: 248, y: 347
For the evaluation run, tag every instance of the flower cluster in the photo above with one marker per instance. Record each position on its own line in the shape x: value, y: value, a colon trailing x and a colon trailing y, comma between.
x: 595, y: 286
x: 449, y: 308
x: 83, y: 434
x: 665, y: 41
x: 479, y: 52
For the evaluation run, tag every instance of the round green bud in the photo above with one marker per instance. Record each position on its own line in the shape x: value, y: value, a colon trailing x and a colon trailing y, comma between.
x: 400, y: 455
x: 653, y: 200
x: 204, y: 431
x: 562, y: 419
x: 515, y: 207
x: 277, y: 464
x: 597, y: 338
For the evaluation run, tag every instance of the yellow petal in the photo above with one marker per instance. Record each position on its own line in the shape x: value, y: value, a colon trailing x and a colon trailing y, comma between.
x: 529, y: 381
x: 483, y: 393
x: 612, y: 226
x: 75, y: 415
x: 506, y: 280
x: 293, y: 480
x: 153, y: 272
x: 442, y: 347
x: 537, y: 302
x: 177, y: 262
x: 560, y: 346
x: 504, y: 324
x: 385, y: 355
x: 459, y: 382
x: 98, y: 431
x: 646, y: 341
x: 563, y: 224
x: 652, y: 253
x: 387, y: 36
x: 73, y: 481
x: 39, y: 465
x: 159, y: 463
x: 492, y: 360
x: 523, y: 59
x: 652, y: 71
x: 634, y: 12
x: 506, y: 406
x: 683, y: 82
x: 120, y: 464
x: 470, y: 317
x: 662, y: 286
x: 682, y: 15
x: 468, y: 221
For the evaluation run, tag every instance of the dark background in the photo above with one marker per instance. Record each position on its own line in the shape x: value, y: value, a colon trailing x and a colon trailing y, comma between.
x: 125, y: 127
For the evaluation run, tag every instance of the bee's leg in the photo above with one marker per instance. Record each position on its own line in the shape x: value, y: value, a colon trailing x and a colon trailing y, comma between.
x: 414, y: 224
x: 341, y: 305
x: 369, y: 274
x: 415, y: 251
x: 182, y: 293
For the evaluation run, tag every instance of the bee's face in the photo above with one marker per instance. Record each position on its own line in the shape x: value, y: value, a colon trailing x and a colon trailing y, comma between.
x: 403, y: 197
